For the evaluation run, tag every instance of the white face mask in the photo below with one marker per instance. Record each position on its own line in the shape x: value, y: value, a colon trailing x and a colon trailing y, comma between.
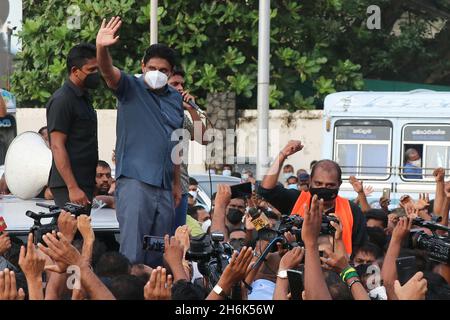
x: 416, y: 163
x: 155, y: 79
x: 226, y: 173
x: 244, y: 177
x: 206, y: 225
x: 194, y: 194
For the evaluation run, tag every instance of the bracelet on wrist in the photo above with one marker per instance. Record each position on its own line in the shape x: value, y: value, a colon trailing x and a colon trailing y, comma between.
x: 348, y: 273
x: 353, y: 282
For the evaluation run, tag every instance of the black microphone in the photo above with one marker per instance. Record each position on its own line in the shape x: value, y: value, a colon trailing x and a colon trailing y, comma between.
x: 194, y: 105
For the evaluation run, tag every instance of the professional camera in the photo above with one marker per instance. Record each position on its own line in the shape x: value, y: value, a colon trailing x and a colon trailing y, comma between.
x: 293, y: 224
x: 208, y: 251
x: 436, y: 246
x: 211, y: 254
x: 38, y: 229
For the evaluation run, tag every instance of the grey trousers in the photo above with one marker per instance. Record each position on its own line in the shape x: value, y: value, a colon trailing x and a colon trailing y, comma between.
x: 141, y: 210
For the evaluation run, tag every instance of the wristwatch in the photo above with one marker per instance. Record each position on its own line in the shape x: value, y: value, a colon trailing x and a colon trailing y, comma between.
x: 282, y: 274
x: 219, y: 291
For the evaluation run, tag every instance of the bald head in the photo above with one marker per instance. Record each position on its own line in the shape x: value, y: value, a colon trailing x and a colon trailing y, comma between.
x: 327, y: 168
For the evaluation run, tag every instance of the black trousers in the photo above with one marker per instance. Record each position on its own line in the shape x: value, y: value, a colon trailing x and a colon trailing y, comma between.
x: 61, y: 196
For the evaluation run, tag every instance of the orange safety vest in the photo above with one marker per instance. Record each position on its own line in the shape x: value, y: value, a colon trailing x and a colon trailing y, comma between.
x: 342, y: 210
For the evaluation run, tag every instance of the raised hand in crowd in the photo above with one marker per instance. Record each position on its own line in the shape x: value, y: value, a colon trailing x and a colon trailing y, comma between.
x: 315, y: 285
x: 368, y: 190
x: 415, y: 289
x: 446, y: 206
x: 8, y: 286
x: 384, y: 204
x: 407, y: 203
x: 389, y: 269
x: 423, y: 202
x: 339, y: 246
x: 61, y: 251
x: 356, y: 184
x: 65, y: 254
x: 32, y: 265
x: 439, y: 197
x: 359, y: 189
x: 271, y: 177
x: 85, y: 228
x: 159, y: 285
x: 235, y: 272
x: 290, y: 260
x: 67, y: 225
x: 174, y: 256
x: 182, y: 235
x: 223, y: 198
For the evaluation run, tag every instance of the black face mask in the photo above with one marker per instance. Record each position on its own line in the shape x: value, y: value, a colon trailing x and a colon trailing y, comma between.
x: 92, y: 80
x: 234, y: 216
x: 324, y: 193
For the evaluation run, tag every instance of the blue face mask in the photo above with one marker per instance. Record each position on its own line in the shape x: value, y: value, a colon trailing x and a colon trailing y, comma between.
x: 293, y: 186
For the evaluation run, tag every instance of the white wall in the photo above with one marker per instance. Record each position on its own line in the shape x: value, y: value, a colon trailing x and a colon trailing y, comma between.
x: 283, y: 126
x: 33, y: 119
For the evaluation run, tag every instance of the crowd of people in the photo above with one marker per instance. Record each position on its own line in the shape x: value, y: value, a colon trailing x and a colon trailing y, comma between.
x: 359, y: 260
x: 293, y: 237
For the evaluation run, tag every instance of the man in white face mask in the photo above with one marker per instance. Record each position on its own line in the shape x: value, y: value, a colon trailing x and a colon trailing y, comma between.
x: 149, y: 111
x: 413, y: 164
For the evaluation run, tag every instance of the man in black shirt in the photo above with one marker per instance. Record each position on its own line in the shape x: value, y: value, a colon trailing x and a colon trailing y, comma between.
x: 325, y: 180
x: 72, y: 128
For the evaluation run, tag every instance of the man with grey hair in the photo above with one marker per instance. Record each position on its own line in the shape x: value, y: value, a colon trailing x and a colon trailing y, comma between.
x: 413, y: 165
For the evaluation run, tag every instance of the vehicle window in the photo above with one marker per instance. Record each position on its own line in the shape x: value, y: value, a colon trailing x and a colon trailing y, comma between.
x: 363, y: 148
x: 425, y: 147
x: 347, y: 157
x: 373, y: 159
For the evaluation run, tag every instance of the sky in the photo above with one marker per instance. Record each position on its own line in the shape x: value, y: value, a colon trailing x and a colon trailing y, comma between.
x: 15, y: 18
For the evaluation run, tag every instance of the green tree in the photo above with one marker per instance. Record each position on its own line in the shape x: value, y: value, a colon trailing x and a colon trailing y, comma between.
x: 317, y: 47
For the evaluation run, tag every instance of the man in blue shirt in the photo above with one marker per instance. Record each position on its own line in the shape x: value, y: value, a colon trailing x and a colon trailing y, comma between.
x: 149, y: 111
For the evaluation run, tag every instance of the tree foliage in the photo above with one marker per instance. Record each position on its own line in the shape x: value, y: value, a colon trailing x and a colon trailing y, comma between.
x: 317, y: 47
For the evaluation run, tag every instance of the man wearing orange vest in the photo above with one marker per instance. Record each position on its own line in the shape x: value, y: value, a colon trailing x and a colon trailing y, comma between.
x: 325, y: 180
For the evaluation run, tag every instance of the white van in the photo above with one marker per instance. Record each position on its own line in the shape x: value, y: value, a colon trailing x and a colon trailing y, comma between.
x: 367, y: 133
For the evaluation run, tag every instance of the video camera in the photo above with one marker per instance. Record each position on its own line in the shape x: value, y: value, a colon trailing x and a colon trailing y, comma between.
x: 207, y: 250
x: 436, y: 246
x: 38, y: 229
x: 293, y: 224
